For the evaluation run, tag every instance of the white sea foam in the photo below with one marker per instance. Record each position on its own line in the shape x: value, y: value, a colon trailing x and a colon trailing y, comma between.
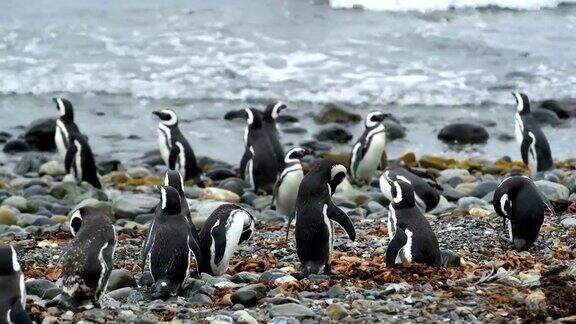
x: 431, y: 5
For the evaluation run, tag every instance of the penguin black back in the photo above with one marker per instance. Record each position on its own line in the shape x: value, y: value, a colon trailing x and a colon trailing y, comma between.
x: 424, y: 186
x: 271, y: 113
x: 80, y: 162
x: 12, y: 290
x: 65, y: 125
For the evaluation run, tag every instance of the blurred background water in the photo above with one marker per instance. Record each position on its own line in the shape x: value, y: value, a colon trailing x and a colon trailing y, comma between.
x: 427, y: 62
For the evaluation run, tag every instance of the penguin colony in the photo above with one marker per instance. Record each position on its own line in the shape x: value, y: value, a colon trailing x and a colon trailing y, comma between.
x: 174, y: 248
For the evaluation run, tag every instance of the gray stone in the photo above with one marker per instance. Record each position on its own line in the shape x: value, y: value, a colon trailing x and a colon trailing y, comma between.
x: 452, y: 194
x: 39, y: 287
x: 245, y: 277
x: 336, y: 291
x: 200, y: 300
x: 333, y: 133
x: 34, y: 191
x: 249, y: 295
x: 484, y: 188
x: 332, y: 113
x: 130, y: 205
x: 243, y: 317
x: 120, y: 278
x: 291, y: 310
x: 52, y: 168
x: 336, y: 312
x: 17, y: 202
x: 8, y: 215
x: 552, y: 191
x: 469, y: 202
x: 121, y: 294
x: 12, y: 230
x: 463, y: 133
x: 569, y: 222
x: 25, y: 220
x: 262, y: 202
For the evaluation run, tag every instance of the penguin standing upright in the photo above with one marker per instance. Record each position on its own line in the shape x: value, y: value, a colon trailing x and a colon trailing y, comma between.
x: 367, y: 152
x: 168, y: 249
x: 534, y: 146
x: 175, y: 149
x: 425, y: 189
x: 79, y: 161
x: 88, y: 258
x: 411, y: 236
x: 271, y: 113
x: 65, y: 125
x: 315, y: 213
x: 173, y: 179
x: 259, y: 165
x: 12, y: 289
x: 286, y: 188
x: 224, y: 230
x: 522, y: 206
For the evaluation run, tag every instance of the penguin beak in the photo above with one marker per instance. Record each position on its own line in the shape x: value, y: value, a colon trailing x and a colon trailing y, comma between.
x: 282, y: 107
x: 235, y: 114
x: 157, y: 113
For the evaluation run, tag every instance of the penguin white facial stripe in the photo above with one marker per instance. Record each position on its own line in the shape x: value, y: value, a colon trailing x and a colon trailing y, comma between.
x: 78, y: 160
x: 385, y: 187
x: 408, y: 247
x: 163, y: 191
x: 375, y: 131
x: 404, y: 179
x: 15, y: 264
x: 275, y: 111
x: 520, y: 101
x: 398, y: 198
x: 295, y: 167
x: 75, y: 215
x: 336, y: 169
x: 510, y: 236
x: 173, y: 118
x: 250, y: 119
x: 503, y: 201
x: 289, y: 159
x: 61, y: 107
x: 368, y: 121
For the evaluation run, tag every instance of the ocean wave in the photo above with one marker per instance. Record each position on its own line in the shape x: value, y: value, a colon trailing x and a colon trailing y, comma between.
x: 441, y: 5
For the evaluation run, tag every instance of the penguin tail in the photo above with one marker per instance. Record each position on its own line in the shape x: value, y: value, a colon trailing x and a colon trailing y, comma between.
x: 521, y: 244
x: 309, y: 268
x: 163, y: 289
x: 449, y: 259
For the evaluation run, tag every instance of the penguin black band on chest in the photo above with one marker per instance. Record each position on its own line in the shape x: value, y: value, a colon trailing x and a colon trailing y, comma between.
x: 271, y: 114
x: 175, y: 149
x: 425, y: 188
x: 315, y: 213
x: 12, y: 289
x: 367, y: 152
x: 523, y: 208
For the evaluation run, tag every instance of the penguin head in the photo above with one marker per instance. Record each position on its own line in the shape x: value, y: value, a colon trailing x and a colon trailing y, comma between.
x: 295, y: 154
x: 401, y: 190
x: 374, y: 119
x: 170, y: 200
x: 522, y: 102
x: 173, y: 179
x: 273, y: 111
x: 65, y: 109
x: 167, y: 117
x: 85, y: 216
x: 333, y: 172
x: 253, y: 116
x: 75, y: 222
x: 8, y: 260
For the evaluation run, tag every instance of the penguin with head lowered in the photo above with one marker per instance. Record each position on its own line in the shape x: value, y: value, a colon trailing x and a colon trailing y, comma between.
x: 522, y: 206
x: 425, y: 188
x: 12, y: 289
x: 286, y: 188
x: 534, y: 146
x: 169, y: 248
x: 315, y: 213
x: 259, y: 165
x: 271, y: 113
x: 79, y: 161
x: 88, y: 258
x: 367, y: 151
x: 65, y: 125
x: 226, y: 228
x: 411, y: 236
x: 175, y: 149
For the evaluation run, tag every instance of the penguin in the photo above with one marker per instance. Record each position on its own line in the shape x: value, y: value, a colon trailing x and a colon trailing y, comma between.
x: 519, y: 202
x: 367, y: 151
x: 65, y: 125
x: 224, y: 230
x: 534, y: 146
x: 315, y: 213
x: 169, y: 246
x: 175, y: 149
x: 411, y: 236
x: 13, y: 291
x: 88, y: 259
x: 79, y: 161
x: 271, y: 113
x: 426, y: 189
x: 286, y: 188
x: 258, y: 166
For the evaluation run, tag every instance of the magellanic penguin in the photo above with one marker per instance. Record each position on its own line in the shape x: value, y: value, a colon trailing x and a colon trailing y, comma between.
x: 169, y: 247
x: 258, y: 165
x: 12, y: 289
x: 315, y: 213
x: 65, y: 125
x: 286, y: 188
x: 522, y: 206
x: 88, y: 258
x: 271, y: 113
x: 367, y: 152
x: 411, y: 236
x: 534, y: 146
x: 175, y: 149
x: 79, y: 161
x: 425, y: 188
x: 226, y: 228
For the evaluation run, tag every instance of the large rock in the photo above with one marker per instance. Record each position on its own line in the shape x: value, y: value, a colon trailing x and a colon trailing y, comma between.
x: 463, y: 133
x: 556, y: 107
x: 40, y: 134
x: 332, y: 113
x: 39, y: 287
x: 121, y: 278
x: 219, y: 194
x: 8, y: 215
x: 203, y: 210
x: 334, y: 133
x: 394, y: 130
x: 552, y: 190
x: 249, y: 295
x: 17, y: 202
x: 291, y: 310
x: 52, y: 168
x: 16, y: 146
x: 30, y: 162
x: 130, y: 205
x: 545, y: 117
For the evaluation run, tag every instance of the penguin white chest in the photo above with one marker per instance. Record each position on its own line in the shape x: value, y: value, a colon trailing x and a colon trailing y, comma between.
x: 371, y: 160
x: 61, y: 138
x: 181, y: 160
x: 518, y: 128
x: 234, y: 227
x: 164, y: 141
x: 78, y: 162
x: 288, y: 192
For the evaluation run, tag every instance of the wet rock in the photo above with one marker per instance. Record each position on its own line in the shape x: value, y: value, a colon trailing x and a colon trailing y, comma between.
x: 262, y: 202
x: 334, y: 133
x: 315, y: 146
x: 556, y: 107
x: 452, y: 194
x: 25, y: 220
x: 8, y: 215
x: 220, y: 319
x: 17, y: 202
x: 30, y: 162
x: 200, y: 300
x: 294, y: 130
x: 108, y: 166
x: 34, y: 191
x: 569, y: 222
x: 121, y: 278
x: 469, y: 202
x: 332, y: 113
x: 394, y: 130
x: 12, y: 230
x: 249, y: 295
x: 291, y: 310
x: 39, y: 287
x: 353, y: 195
x: 276, y: 277
x: 336, y: 312
x: 243, y: 317
x: 120, y: 294
x: 203, y: 210
x: 130, y: 205
x: 52, y: 168
x: 236, y: 185
x: 336, y: 291
x: 40, y: 134
x: 484, y: 188
x: 552, y: 191
x: 218, y: 174
x: 16, y: 146
x: 245, y: 277
x: 545, y: 117
x: 463, y: 133
x: 4, y: 137
x: 219, y: 194
x: 144, y: 218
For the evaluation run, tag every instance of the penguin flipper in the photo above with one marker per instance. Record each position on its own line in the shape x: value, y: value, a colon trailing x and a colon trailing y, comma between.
x: 525, y: 147
x: 336, y: 214
x: 396, y: 244
x: 173, y: 157
x: 18, y: 314
x: 357, y: 154
x: 195, y: 248
x: 69, y: 158
x: 219, y: 237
